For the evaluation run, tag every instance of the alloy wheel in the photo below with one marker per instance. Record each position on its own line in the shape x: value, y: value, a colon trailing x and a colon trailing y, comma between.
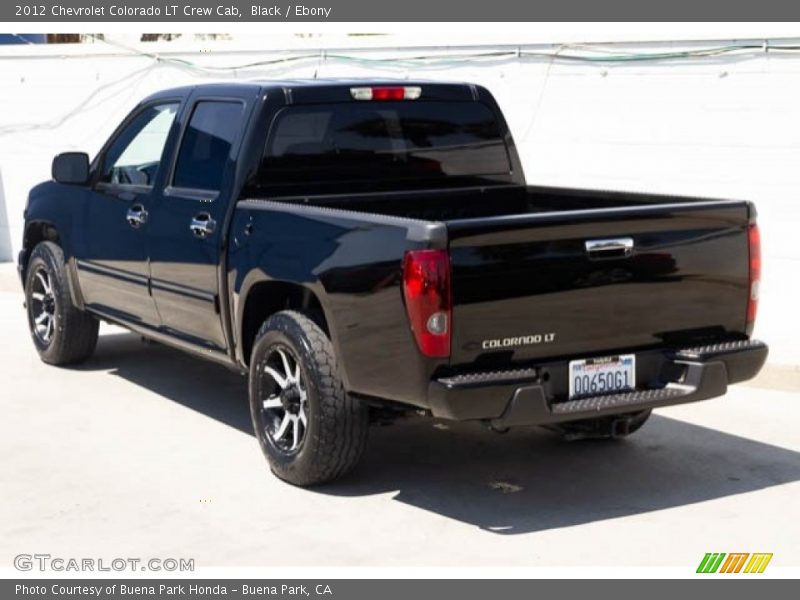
x: 43, y: 306
x: 283, y: 411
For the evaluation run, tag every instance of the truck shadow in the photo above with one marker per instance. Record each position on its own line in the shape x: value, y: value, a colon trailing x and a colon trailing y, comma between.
x: 525, y: 481
x: 530, y: 480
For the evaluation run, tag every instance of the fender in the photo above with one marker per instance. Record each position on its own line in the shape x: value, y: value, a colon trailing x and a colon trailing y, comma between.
x: 51, y: 205
x: 240, y: 293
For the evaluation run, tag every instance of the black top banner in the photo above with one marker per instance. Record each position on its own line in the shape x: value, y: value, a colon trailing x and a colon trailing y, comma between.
x: 234, y: 11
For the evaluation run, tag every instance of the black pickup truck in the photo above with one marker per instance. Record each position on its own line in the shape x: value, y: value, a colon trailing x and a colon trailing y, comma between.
x: 364, y: 249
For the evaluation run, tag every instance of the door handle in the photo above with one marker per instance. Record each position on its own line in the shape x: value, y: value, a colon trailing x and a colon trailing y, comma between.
x: 609, y: 248
x: 137, y: 216
x: 202, y: 225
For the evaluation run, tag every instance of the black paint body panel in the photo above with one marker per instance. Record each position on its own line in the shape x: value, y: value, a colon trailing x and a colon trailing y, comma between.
x: 687, y: 276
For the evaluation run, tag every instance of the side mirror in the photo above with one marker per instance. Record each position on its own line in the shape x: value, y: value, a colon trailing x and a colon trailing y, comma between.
x: 71, y: 168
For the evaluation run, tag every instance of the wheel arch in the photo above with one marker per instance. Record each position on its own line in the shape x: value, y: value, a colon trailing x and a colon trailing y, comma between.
x: 36, y: 232
x: 264, y: 298
x: 41, y: 230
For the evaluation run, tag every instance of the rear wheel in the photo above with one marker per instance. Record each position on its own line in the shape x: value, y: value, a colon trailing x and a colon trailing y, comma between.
x: 62, y: 334
x: 611, y: 427
x: 310, y: 430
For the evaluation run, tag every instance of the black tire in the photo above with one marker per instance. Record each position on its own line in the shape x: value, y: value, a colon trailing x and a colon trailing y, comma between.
x: 66, y: 336
x: 603, y: 428
x: 334, y: 436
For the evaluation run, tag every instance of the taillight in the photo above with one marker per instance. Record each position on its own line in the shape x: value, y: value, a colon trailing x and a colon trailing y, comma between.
x: 754, y: 248
x: 426, y: 288
x: 386, y: 93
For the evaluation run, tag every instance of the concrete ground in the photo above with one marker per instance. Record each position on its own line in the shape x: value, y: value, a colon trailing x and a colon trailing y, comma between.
x: 146, y: 452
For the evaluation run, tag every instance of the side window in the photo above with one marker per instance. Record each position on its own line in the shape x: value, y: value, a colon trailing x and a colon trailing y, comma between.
x: 134, y: 156
x: 206, y: 145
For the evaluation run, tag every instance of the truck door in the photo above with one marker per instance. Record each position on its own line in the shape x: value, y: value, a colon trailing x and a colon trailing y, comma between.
x: 112, y: 258
x: 185, y: 235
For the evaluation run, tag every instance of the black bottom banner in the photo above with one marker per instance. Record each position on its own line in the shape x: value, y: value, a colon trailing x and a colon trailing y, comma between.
x: 389, y: 589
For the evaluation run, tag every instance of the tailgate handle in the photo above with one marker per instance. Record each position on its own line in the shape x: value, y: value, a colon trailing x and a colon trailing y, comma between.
x: 609, y: 248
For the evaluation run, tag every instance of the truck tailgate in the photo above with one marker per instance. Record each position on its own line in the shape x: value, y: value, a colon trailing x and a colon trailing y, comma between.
x: 525, y: 287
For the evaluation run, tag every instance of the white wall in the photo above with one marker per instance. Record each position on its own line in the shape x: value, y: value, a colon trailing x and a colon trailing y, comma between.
x: 5, y: 229
x: 725, y: 127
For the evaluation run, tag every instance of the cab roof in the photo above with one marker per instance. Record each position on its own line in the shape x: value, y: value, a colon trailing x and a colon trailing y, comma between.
x: 320, y: 89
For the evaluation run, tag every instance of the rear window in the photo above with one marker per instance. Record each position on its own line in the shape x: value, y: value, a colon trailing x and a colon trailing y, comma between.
x: 206, y: 146
x: 336, y: 147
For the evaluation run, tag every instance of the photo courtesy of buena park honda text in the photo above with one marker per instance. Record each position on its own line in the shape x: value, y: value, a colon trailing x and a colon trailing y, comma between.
x: 356, y: 299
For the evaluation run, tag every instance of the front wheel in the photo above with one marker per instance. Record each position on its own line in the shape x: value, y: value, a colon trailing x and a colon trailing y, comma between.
x: 309, y: 428
x: 62, y: 334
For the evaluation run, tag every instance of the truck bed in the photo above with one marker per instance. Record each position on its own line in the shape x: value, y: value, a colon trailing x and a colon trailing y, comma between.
x: 521, y: 268
x: 481, y: 201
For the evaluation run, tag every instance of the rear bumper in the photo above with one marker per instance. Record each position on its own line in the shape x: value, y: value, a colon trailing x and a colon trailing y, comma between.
x: 520, y: 397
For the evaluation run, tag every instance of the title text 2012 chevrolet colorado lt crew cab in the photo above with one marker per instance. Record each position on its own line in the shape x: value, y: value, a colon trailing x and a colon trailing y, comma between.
x: 363, y: 249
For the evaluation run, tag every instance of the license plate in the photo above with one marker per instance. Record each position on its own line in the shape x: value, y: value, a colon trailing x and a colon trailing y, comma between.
x: 600, y: 376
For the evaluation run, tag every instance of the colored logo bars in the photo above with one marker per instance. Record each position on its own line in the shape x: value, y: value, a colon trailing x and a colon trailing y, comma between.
x: 736, y: 562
